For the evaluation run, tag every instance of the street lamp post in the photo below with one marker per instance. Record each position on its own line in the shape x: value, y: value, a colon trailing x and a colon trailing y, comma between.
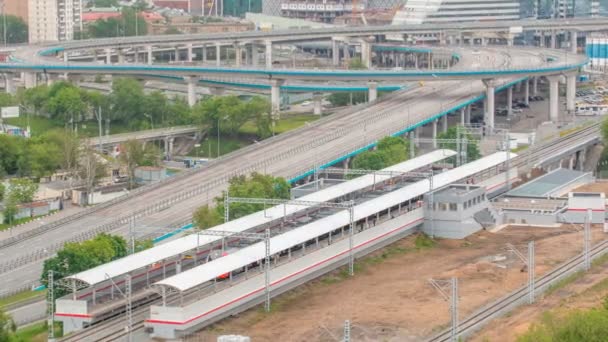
x: 4, y: 23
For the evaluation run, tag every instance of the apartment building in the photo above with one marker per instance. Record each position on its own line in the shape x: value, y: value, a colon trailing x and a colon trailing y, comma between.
x: 54, y: 20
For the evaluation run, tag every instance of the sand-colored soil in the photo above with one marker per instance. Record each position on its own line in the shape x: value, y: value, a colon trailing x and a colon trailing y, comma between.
x: 390, y: 299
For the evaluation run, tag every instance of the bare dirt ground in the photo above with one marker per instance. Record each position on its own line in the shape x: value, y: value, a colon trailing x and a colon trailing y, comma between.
x: 390, y: 299
x: 593, y: 187
x: 586, y: 292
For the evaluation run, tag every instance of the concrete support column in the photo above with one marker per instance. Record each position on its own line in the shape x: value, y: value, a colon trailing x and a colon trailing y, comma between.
x: 275, y: 95
x: 31, y: 80
x: 484, y: 41
x: 535, y: 85
x: 136, y: 55
x: 541, y: 40
x: 317, y: 100
x: 9, y: 85
x: 204, y: 52
x: 553, y: 98
x: 335, y: 52
x: 238, y: 55
x: 467, y: 119
x: 434, y: 133
x: 255, y: 56
x: 176, y: 54
x: 268, y: 53
x: 189, y: 52
x: 570, y: 92
x: 218, y: 54
x: 444, y: 122
x: 121, y: 56
x: 108, y: 56
x: 527, y: 91
x: 509, y: 40
x: 430, y: 60
x: 462, y: 116
x: 191, y: 81
x: 169, y: 147
x: 573, y: 41
x: 95, y: 56
x: 150, y: 57
x: 553, y: 40
x: 372, y: 91
x: 366, y: 54
x: 510, y: 101
x: 490, y: 112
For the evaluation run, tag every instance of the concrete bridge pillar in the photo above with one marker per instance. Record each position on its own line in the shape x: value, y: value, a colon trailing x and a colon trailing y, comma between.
x: 484, y: 41
x: 317, y: 100
x: 169, y: 146
x: 366, y: 54
x: 218, y: 54
x: 435, y: 133
x: 190, y: 54
x: 416, y: 135
x: 444, y: 123
x: 535, y: 85
x: 238, y: 55
x: 372, y: 91
x: 268, y: 53
x: 467, y: 118
x: 462, y: 116
x: 510, y: 101
x: 121, y: 56
x: 580, y: 160
x: 135, y: 55
x: 95, y: 56
x: 255, y: 56
x: 204, y: 53
x: 541, y: 40
x: 150, y: 55
x: 335, y: 52
x: 108, y: 56
x: 9, y: 83
x: 571, y: 93
x: 553, y: 39
x: 176, y: 54
x: 573, y: 41
x: 430, y: 60
x: 31, y: 80
x: 191, y: 81
x: 527, y: 91
x: 571, y: 162
x: 554, y: 97
x: 275, y: 95
x: 490, y: 112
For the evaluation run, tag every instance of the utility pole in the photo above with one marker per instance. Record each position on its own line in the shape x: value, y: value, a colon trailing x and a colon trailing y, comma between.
x: 50, y: 306
x: 347, y: 331
x: 129, y: 308
x: 132, y: 235
x: 450, y: 296
x: 530, y: 263
x: 587, y: 241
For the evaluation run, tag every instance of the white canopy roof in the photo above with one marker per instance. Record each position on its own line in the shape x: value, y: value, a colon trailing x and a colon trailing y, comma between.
x: 211, y: 270
x: 188, y: 243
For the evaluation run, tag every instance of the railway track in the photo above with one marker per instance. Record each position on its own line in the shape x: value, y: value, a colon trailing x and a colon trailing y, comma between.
x: 519, y: 296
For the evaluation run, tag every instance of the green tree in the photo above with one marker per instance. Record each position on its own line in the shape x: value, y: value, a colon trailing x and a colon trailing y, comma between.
x: 7, y: 326
x: 2, y: 191
x: 16, y: 30
x: 67, y: 104
x: 155, y: 105
x: 228, y: 111
x: 11, y: 148
x: 128, y: 101
x: 130, y: 23
x: 22, y: 190
x: 180, y: 113
x: 44, y: 157
x: 345, y: 99
x: 389, y: 151
x: 256, y: 186
x: 205, y: 217
x: 473, y: 152
x: 259, y: 108
x: 134, y: 154
x: 77, y: 257
x: 104, y: 3
x: 35, y: 98
x: 141, y: 245
x: 172, y: 30
x: 356, y: 64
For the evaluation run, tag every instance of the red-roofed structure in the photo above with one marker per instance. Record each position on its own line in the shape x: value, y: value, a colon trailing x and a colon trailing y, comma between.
x: 94, y: 16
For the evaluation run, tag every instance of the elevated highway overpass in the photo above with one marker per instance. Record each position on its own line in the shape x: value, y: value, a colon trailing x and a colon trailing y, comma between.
x: 292, y: 155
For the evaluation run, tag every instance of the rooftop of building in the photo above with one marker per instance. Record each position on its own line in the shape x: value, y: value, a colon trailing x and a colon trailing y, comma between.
x: 545, y: 185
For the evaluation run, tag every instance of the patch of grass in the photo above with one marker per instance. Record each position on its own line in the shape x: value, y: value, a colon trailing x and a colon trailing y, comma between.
x: 563, y: 282
x: 285, y: 124
x: 20, y: 297
x: 35, y: 333
x: 520, y: 148
x: 423, y: 241
x: 40, y: 125
x: 4, y: 226
x: 208, y: 148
